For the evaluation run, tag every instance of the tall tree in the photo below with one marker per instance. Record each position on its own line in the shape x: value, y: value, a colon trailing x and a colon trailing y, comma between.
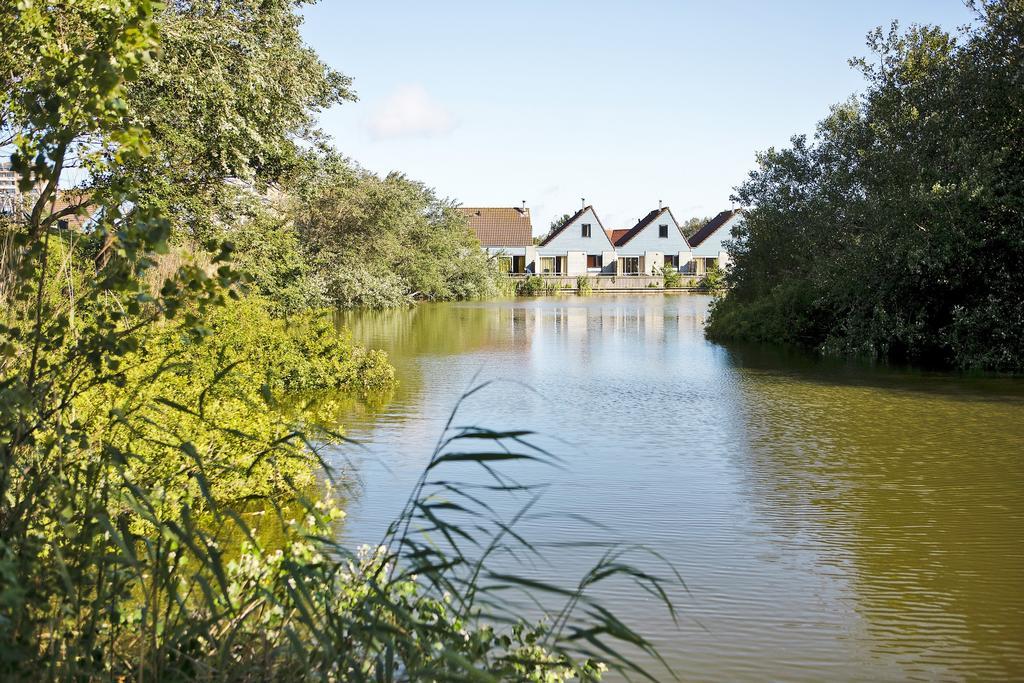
x: 231, y: 95
x: 899, y: 230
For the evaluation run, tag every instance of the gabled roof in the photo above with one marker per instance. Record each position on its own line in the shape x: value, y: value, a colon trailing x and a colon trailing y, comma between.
x: 627, y: 235
x: 499, y: 226
x: 712, y: 226
x: 568, y: 221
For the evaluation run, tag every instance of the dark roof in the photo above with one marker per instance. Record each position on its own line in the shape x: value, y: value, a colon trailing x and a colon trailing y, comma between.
x: 557, y: 231
x: 712, y: 226
x: 500, y: 227
x: 626, y: 235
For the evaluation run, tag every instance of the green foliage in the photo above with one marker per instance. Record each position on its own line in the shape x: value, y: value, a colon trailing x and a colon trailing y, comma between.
x: 233, y: 95
x: 584, y: 285
x: 898, y: 232
x: 145, y: 450
x: 269, y: 250
x: 713, y: 280
x: 384, y: 241
x: 531, y: 285
x: 672, y: 276
x: 691, y: 225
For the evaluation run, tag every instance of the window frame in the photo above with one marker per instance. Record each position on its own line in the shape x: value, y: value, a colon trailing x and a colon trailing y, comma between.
x: 663, y: 229
x: 632, y: 260
x: 585, y: 230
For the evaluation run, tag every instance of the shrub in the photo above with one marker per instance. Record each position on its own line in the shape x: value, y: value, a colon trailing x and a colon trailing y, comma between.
x: 673, y: 279
x: 532, y: 285
x: 584, y: 285
x: 712, y: 281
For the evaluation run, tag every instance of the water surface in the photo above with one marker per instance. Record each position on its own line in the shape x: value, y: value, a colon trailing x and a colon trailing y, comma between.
x: 831, y: 520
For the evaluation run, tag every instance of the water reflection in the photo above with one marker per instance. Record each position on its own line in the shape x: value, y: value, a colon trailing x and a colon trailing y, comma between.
x: 832, y: 520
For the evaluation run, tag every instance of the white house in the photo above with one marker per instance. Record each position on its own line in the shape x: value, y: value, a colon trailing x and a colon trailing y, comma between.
x: 505, y: 234
x: 708, y: 243
x: 579, y: 246
x: 654, y: 243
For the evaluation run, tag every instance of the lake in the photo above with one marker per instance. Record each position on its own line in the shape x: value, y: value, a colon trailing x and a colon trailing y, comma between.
x: 831, y: 520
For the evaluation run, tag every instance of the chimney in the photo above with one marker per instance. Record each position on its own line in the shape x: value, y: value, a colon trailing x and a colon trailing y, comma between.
x: 583, y: 202
x: 659, y: 205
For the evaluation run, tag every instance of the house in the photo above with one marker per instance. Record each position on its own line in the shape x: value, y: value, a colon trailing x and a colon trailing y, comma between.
x: 75, y: 211
x: 654, y: 243
x: 505, y: 234
x: 579, y: 246
x: 708, y: 243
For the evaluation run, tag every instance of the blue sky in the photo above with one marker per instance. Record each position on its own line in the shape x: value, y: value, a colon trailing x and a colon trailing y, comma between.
x: 621, y: 103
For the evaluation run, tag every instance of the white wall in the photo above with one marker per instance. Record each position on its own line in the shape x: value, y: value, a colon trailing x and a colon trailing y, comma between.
x: 648, y: 240
x: 713, y: 246
x: 506, y: 251
x: 576, y: 263
x: 570, y: 238
x: 653, y: 262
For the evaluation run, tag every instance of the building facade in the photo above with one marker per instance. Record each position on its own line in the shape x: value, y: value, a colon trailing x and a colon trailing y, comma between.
x: 708, y: 243
x: 579, y: 246
x: 656, y: 242
x: 506, y: 234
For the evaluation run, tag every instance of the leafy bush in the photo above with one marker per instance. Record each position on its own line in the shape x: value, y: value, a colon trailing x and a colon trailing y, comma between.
x: 584, y: 285
x: 713, y: 280
x: 532, y: 285
x: 673, y: 279
x: 384, y: 241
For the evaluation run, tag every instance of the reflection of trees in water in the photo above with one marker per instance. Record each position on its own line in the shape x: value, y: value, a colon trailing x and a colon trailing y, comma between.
x: 915, y: 485
x: 410, y: 334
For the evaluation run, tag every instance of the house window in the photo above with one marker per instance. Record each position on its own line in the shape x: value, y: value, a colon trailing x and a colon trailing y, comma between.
x: 629, y: 265
x: 585, y: 230
x: 672, y: 260
x: 594, y: 260
x: 663, y: 231
x: 547, y: 265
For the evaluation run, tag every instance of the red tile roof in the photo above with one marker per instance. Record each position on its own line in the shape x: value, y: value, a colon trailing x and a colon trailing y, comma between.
x: 618, y: 234
x: 500, y: 227
x: 712, y: 226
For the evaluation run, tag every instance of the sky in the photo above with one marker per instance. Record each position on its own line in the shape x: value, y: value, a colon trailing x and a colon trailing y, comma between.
x: 618, y: 104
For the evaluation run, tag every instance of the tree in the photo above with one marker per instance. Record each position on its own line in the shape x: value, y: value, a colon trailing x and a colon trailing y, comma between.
x: 383, y: 241
x: 234, y: 92
x: 555, y: 225
x: 691, y: 225
x: 895, y: 232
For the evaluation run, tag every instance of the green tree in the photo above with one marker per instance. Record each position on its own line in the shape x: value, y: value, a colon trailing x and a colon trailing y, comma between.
x: 895, y: 232
x: 382, y: 241
x: 691, y: 225
x: 232, y: 96
x: 131, y: 446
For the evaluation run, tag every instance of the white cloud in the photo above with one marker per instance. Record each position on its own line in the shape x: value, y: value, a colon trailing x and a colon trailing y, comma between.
x: 410, y: 112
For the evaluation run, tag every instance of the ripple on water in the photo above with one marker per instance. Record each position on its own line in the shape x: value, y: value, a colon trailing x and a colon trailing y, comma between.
x: 831, y: 521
